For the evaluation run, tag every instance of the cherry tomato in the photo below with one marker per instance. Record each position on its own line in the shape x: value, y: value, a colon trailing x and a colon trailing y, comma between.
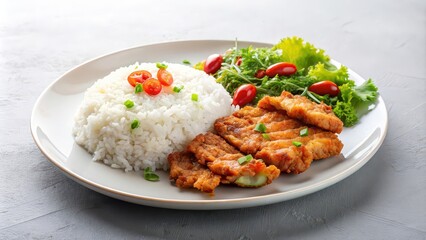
x: 260, y: 73
x: 138, y: 77
x: 281, y: 69
x: 325, y: 87
x: 213, y: 63
x: 244, y: 94
x: 152, y: 86
x: 239, y: 61
x: 165, y: 77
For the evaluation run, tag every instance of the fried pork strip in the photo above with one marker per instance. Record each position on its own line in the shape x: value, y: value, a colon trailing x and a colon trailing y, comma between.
x: 301, y: 108
x: 277, y: 148
x: 238, y: 129
x: 221, y: 158
x: 292, y: 159
x: 186, y: 172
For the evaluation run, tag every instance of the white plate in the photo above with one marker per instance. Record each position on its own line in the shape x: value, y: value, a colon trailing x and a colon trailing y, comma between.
x: 53, y: 114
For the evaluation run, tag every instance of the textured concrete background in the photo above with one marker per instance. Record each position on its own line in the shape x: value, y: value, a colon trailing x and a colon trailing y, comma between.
x: 384, y: 40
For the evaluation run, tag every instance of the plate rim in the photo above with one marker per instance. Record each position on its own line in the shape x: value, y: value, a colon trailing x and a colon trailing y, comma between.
x: 206, y: 204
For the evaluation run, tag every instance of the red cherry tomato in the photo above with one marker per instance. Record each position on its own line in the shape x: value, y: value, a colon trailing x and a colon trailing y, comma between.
x: 244, y: 94
x: 213, y: 63
x: 239, y: 61
x: 260, y: 73
x: 325, y: 87
x: 165, y: 77
x: 138, y: 77
x: 281, y: 69
x: 152, y: 86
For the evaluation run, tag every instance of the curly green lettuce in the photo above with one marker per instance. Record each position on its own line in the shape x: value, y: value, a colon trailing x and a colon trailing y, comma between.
x: 352, y: 98
x: 303, y: 54
x: 339, y: 76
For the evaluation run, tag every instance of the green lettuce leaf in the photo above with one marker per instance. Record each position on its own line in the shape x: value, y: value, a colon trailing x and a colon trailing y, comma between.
x: 352, y: 99
x: 346, y: 112
x: 366, y: 92
x: 339, y: 76
x: 303, y: 54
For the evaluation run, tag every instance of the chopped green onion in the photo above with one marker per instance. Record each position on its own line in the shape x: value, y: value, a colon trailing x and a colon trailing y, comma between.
x: 161, y: 65
x: 304, y: 132
x: 149, y: 175
x: 136, y: 67
x: 245, y: 159
x: 260, y: 127
x: 297, y: 144
x: 129, y: 103
x: 194, y: 97
x: 135, y: 124
x: 177, y: 89
x: 138, y: 88
x: 186, y: 62
x: 266, y: 136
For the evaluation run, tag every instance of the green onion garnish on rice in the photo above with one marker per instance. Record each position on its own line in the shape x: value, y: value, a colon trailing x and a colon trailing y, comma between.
x: 161, y: 65
x: 177, y: 89
x: 194, y: 97
x: 138, y: 88
x: 135, y: 124
x: 129, y: 103
x: 186, y: 62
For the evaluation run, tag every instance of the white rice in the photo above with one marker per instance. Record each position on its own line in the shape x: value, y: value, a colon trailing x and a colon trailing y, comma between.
x: 168, y: 121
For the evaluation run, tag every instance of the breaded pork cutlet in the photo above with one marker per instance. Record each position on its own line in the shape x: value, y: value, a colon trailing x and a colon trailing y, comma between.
x: 186, y: 172
x: 299, y: 107
x: 239, y: 128
x: 222, y: 159
x: 276, y: 143
x: 289, y: 157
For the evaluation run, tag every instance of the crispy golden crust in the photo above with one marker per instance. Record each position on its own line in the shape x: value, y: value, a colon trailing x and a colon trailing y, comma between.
x: 299, y: 107
x: 187, y: 173
x: 221, y: 158
x: 238, y: 129
x: 282, y: 152
x: 208, y: 147
x: 277, y: 148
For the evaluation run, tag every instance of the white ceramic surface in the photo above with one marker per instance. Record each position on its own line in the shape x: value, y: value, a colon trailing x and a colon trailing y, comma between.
x: 52, y: 120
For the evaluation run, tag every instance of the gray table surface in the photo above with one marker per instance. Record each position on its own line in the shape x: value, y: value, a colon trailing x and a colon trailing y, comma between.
x: 384, y: 40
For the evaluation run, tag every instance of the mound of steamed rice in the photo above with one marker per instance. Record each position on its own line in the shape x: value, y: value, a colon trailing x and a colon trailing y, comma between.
x: 167, y: 121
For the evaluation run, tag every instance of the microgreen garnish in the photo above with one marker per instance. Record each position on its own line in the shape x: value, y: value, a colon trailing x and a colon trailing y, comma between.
x: 245, y: 159
x: 149, y: 175
x: 161, y: 65
x: 303, y: 132
x: 138, y: 88
x: 135, y: 124
x: 260, y: 127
